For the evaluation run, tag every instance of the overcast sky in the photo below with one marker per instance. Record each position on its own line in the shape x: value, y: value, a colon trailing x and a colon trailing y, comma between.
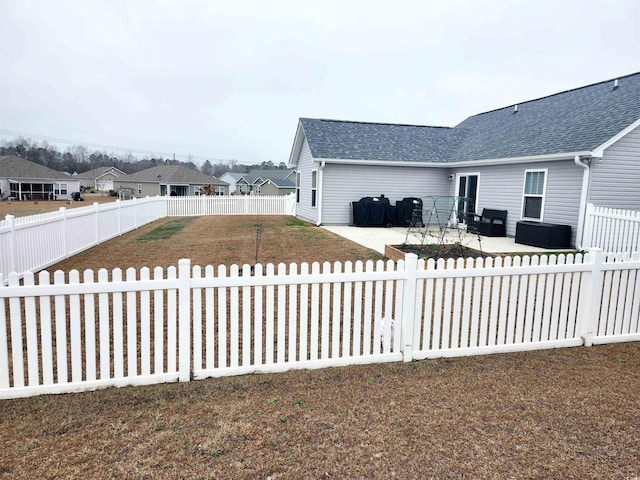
x: 229, y: 79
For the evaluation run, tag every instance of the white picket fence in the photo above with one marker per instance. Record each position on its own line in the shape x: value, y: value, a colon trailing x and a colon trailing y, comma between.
x: 232, y: 205
x: 34, y: 242
x: 613, y: 230
x: 81, y: 333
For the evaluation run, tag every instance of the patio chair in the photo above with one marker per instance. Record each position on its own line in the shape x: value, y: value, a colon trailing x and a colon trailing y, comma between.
x: 492, y: 223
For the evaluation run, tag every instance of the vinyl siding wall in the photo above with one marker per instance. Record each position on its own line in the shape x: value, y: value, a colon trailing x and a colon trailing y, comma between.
x: 501, y: 187
x: 305, y: 165
x: 343, y: 184
x: 615, y: 181
x: 148, y: 189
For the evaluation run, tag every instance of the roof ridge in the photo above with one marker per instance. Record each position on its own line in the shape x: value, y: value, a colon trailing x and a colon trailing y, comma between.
x: 555, y: 94
x: 375, y: 123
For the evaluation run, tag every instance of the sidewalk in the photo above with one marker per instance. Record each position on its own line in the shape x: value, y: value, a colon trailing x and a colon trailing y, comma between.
x: 376, y: 238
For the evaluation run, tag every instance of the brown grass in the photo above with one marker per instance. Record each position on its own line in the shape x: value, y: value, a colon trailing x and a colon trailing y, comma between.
x: 33, y: 207
x: 567, y: 413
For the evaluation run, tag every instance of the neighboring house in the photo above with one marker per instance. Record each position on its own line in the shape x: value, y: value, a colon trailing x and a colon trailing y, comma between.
x: 275, y: 186
x: 237, y: 183
x: 542, y: 159
x: 172, y: 180
x: 275, y: 182
x: 100, y: 179
x: 24, y: 180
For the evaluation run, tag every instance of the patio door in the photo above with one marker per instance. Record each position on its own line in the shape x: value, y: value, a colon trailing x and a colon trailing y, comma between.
x: 467, y: 188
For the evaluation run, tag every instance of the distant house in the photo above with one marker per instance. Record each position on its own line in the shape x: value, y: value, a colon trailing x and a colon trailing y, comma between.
x: 275, y: 186
x: 237, y: 183
x: 164, y: 180
x: 100, y: 179
x: 541, y: 160
x: 24, y: 180
x: 271, y: 182
x: 261, y: 182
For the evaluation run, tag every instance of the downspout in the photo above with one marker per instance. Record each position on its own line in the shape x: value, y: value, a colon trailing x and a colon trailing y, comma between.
x: 320, y: 183
x: 583, y: 200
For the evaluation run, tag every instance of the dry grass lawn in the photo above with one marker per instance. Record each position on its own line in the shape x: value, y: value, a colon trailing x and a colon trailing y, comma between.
x: 22, y: 209
x: 558, y: 414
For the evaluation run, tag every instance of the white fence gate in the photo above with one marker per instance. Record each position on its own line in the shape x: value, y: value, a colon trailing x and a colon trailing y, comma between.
x: 77, y: 333
x: 613, y: 230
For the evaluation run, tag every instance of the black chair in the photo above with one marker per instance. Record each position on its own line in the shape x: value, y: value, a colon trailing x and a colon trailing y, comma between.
x: 492, y: 223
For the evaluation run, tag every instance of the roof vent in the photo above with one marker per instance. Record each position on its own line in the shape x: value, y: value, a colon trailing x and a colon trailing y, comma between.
x: 515, y: 109
x: 615, y: 84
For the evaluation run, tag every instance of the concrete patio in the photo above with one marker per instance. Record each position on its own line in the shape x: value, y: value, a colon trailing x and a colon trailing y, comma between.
x: 376, y: 238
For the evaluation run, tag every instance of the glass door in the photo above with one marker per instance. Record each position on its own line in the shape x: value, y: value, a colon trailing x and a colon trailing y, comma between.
x: 467, y: 188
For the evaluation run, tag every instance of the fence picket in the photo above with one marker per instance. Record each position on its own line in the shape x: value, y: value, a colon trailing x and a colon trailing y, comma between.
x: 272, y: 321
x: 46, y: 339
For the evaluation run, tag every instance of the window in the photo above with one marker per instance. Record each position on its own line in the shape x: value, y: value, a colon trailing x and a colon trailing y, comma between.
x: 60, y: 188
x: 314, y: 187
x: 139, y: 189
x: 297, y: 187
x: 219, y: 190
x: 196, y: 190
x: 534, y: 191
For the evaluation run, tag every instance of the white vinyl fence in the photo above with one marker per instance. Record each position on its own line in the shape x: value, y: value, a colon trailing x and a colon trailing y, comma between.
x: 613, y: 230
x: 34, y: 242
x: 83, y: 332
x: 232, y: 205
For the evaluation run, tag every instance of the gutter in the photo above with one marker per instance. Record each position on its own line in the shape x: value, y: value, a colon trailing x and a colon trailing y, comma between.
x: 583, y: 200
x: 319, y: 192
x: 465, y: 163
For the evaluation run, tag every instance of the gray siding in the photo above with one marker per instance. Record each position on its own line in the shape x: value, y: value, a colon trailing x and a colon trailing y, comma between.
x: 615, y: 180
x: 305, y: 166
x: 343, y: 184
x: 501, y: 187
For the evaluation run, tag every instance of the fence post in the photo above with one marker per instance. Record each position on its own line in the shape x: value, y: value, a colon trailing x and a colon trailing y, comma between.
x: 96, y: 225
x: 409, y: 305
x: 184, y: 320
x: 135, y: 212
x: 590, y: 298
x: 65, y: 242
x: 587, y: 234
x: 13, y: 245
x: 119, y: 217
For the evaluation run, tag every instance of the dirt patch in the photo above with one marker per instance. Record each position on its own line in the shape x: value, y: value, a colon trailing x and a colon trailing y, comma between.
x: 568, y: 413
x: 220, y: 240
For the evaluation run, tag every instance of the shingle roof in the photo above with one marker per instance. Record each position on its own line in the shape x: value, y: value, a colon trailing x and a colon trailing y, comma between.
x: 96, y: 172
x: 173, y: 174
x: 379, y: 141
x: 12, y: 166
x: 575, y: 120
x: 253, y: 175
x: 281, y: 182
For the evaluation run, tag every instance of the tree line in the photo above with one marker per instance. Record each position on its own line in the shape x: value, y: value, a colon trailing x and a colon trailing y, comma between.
x: 79, y: 159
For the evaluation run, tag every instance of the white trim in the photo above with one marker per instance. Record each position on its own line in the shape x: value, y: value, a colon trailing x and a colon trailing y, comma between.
x: 298, y: 140
x: 314, y: 204
x: 543, y: 195
x: 457, y: 189
x: 599, y: 151
x: 465, y: 163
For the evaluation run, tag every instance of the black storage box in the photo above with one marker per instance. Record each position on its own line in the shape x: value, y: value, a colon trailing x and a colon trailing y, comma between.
x: 543, y: 235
